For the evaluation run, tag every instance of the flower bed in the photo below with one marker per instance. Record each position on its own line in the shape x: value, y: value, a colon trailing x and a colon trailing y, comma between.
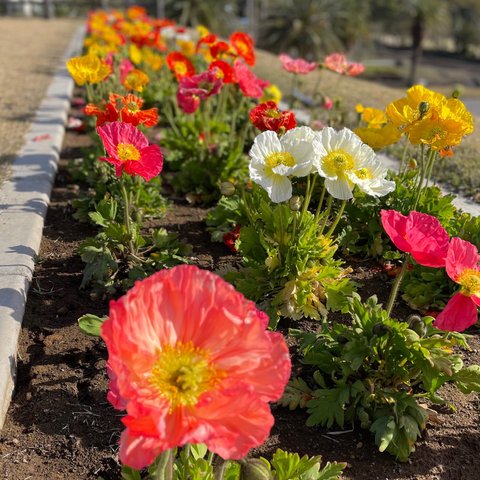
x: 381, y: 371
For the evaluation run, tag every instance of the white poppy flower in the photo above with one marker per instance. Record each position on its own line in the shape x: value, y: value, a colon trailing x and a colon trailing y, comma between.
x: 345, y: 161
x: 274, y: 160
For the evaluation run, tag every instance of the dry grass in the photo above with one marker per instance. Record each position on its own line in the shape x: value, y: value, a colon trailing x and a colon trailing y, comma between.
x: 31, y: 50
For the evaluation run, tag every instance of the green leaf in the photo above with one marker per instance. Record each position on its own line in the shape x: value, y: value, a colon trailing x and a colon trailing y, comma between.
x: 384, y: 429
x: 129, y: 473
x: 331, y: 471
x: 91, y: 324
x: 328, y: 406
x: 296, y: 394
x: 468, y: 379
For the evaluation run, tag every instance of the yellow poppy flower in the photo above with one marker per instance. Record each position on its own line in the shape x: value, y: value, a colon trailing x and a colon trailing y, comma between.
x: 152, y: 59
x: 379, y: 137
x: 135, y: 54
x: 136, y: 80
x: 272, y: 92
x: 87, y: 69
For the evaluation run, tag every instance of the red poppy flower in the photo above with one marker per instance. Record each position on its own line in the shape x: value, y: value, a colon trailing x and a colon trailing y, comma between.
x: 267, y: 116
x: 243, y: 45
x: 195, y: 88
x: 339, y: 64
x: 218, y: 48
x: 250, y: 85
x: 419, y: 234
x: 129, y: 151
x: 462, y: 265
x: 180, y: 65
x: 223, y: 70
x: 231, y: 237
x: 208, y: 39
x: 131, y: 111
x: 298, y: 65
x: 104, y: 113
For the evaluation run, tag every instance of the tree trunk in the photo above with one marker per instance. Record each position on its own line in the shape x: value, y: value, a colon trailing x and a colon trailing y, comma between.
x: 418, y: 34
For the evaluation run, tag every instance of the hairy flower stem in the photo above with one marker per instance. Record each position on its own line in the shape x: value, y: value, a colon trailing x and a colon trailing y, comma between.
x: 320, y: 203
x: 165, y: 466
x: 220, y: 470
x: 337, y: 219
x: 396, y: 285
x: 327, y: 214
x: 126, y: 215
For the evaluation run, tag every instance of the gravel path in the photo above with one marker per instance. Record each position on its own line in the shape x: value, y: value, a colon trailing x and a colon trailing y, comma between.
x: 30, y: 52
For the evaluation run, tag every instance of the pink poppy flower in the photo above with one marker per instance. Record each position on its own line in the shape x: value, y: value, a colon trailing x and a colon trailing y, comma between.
x: 125, y: 67
x: 250, y: 85
x: 462, y: 265
x: 338, y: 63
x: 298, y: 65
x: 192, y: 362
x: 197, y: 87
x: 129, y: 151
x: 419, y: 234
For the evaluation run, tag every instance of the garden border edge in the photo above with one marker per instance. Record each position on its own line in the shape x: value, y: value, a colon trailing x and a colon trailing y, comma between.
x: 24, y: 199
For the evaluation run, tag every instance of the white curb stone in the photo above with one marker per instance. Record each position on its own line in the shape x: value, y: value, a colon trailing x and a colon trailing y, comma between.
x: 24, y: 200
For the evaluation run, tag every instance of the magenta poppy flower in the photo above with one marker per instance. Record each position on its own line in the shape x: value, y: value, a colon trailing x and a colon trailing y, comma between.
x: 191, y: 361
x: 129, y: 151
x: 419, y: 234
x: 462, y: 265
x: 193, y: 89
x: 250, y: 85
x: 298, y: 65
x: 126, y: 66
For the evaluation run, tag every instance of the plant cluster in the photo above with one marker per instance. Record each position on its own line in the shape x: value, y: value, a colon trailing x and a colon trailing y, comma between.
x: 192, y: 357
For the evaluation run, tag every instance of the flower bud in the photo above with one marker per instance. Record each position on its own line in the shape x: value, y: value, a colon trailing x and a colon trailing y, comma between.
x: 295, y: 203
x: 412, y: 164
x: 380, y: 329
x: 423, y: 107
x: 227, y: 189
x: 254, y: 469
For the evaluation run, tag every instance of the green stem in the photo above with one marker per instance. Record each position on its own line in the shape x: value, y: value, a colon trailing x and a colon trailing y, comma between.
x: 320, y: 203
x: 422, y: 177
x: 186, y: 466
x: 220, y: 470
x: 327, y: 214
x: 126, y: 215
x: 402, y: 161
x: 165, y: 466
x: 396, y: 285
x: 337, y: 219
x: 432, y: 156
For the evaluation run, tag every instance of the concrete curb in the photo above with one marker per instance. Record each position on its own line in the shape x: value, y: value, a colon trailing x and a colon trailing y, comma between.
x: 24, y: 199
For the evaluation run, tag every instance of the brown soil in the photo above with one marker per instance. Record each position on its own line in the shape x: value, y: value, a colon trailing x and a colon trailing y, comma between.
x: 61, y: 426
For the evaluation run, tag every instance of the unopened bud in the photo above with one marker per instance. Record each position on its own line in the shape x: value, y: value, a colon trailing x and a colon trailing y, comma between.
x: 227, y: 189
x: 254, y: 469
x: 456, y: 93
x: 412, y: 164
x: 295, y: 203
x: 423, y: 107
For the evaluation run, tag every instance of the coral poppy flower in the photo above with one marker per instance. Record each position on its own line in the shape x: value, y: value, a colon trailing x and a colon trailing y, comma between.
x: 131, y: 111
x: 298, y: 65
x: 104, y: 113
x: 191, y: 362
x: 338, y: 63
x: 243, y: 46
x: 129, y: 151
x: 267, y: 116
x: 419, y: 234
x: 250, y: 85
x: 223, y: 70
x: 180, y: 65
x: 88, y: 69
x: 462, y: 265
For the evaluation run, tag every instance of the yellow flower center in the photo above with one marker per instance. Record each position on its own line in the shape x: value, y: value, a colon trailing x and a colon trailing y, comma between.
x: 363, y: 173
x: 272, y: 113
x: 132, y: 107
x: 280, y: 158
x: 180, y: 68
x: 338, y: 162
x: 436, y: 134
x: 183, y: 373
x: 127, y: 152
x: 469, y: 279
